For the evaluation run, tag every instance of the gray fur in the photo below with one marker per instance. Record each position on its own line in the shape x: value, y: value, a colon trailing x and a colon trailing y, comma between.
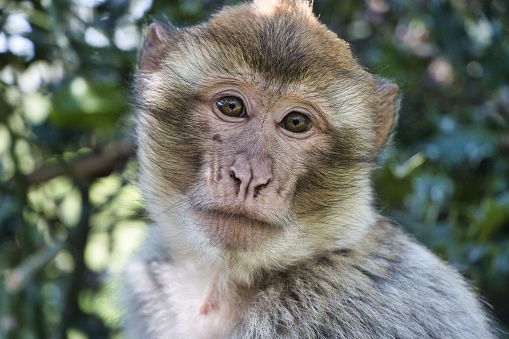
x: 388, y: 287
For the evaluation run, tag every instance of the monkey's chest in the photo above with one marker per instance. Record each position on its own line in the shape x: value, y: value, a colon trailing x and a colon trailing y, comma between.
x: 191, y: 306
x: 199, y: 313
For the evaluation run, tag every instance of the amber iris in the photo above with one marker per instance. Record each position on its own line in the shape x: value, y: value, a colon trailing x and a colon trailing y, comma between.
x: 296, y: 122
x: 231, y: 106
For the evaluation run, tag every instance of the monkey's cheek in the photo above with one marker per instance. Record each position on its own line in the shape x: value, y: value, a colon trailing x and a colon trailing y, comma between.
x: 234, y: 232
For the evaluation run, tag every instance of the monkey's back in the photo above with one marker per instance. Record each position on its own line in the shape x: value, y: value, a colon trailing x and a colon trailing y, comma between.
x: 388, y: 286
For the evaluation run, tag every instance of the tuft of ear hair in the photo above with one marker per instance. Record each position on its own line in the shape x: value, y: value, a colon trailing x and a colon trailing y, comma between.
x: 158, y: 36
x: 386, y: 113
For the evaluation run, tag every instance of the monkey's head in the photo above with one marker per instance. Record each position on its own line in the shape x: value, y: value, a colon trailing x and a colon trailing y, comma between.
x: 257, y: 133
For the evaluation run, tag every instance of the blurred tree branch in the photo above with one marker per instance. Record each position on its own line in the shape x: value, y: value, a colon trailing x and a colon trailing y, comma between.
x: 16, y: 279
x: 94, y: 166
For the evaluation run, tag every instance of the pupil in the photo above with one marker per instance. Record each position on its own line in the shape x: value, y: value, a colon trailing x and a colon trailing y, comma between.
x: 295, y: 121
x: 231, y: 105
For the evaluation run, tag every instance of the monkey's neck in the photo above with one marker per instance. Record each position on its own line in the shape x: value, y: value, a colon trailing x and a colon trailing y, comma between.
x: 176, y: 235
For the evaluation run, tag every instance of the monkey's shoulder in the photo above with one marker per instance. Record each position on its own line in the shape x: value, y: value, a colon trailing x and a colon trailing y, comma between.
x: 385, y: 284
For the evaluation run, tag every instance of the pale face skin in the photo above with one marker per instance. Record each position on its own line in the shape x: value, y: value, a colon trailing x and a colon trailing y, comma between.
x: 251, y: 162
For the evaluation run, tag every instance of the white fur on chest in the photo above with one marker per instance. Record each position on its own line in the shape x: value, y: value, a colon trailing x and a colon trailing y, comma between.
x: 177, y: 302
x: 200, y: 311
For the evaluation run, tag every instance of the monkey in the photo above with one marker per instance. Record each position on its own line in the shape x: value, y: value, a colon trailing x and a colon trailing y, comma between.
x: 257, y: 134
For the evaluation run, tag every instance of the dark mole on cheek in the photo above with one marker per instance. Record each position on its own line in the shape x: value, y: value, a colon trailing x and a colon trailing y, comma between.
x: 217, y: 137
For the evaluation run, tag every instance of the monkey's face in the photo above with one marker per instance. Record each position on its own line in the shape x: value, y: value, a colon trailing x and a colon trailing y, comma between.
x: 256, y: 141
x: 256, y: 134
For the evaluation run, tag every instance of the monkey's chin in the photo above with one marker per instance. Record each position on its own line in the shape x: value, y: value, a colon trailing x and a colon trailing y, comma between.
x: 235, y: 231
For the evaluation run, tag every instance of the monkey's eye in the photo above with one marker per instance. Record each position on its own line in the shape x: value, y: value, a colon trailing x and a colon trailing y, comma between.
x: 231, y: 106
x: 296, y: 122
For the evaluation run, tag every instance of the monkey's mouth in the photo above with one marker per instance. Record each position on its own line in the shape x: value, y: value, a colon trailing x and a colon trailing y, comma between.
x: 237, y: 229
x: 235, y: 217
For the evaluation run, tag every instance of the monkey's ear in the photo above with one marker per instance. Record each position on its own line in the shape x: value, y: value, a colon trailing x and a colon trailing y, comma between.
x: 386, y: 115
x: 157, y: 38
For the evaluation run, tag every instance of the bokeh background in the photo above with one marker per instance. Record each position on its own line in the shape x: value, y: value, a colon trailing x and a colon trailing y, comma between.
x: 70, y: 213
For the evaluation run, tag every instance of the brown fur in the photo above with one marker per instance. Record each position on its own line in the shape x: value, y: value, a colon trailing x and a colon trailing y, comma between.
x: 259, y: 232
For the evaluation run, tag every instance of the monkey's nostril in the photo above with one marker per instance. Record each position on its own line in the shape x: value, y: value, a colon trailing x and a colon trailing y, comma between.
x: 234, y: 176
x: 258, y: 188
x: 237, y: 181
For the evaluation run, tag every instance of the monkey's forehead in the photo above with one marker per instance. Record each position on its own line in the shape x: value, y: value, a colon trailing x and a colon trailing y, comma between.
x: 285, y: 42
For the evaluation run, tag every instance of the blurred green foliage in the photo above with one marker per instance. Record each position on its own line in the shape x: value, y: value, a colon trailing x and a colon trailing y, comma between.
x: 69, y: 218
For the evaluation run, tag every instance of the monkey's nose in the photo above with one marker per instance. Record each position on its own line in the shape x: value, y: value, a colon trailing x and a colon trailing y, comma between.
x: 249, y: 179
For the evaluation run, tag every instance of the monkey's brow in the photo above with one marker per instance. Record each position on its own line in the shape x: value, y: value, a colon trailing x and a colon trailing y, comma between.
x: 235, y: 78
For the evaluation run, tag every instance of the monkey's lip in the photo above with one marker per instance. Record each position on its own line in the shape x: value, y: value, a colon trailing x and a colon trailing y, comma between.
x: 226, y: 216
x: 235, y: 230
